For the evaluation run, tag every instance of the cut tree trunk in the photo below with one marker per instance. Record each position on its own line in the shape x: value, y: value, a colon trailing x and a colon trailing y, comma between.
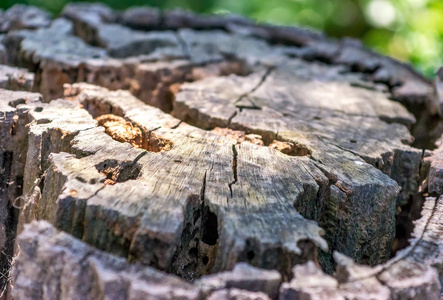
x: 234, y: 155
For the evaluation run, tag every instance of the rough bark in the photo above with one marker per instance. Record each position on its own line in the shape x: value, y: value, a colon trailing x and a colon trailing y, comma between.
x: 200, y: 143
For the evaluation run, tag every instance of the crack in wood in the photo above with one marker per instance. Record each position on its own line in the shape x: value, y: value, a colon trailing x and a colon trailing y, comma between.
x: 120, y: 75
x: 234, y: 167
x: 378, y: 271
x: 262, y: 80
x: 183, y: 45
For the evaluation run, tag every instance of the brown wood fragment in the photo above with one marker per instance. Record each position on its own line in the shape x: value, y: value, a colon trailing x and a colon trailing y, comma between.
x: 290, y: 148
x: 239, y: 135
x: 121, y: 130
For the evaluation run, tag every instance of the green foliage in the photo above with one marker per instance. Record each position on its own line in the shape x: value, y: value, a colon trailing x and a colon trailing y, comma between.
x: 410, y: 30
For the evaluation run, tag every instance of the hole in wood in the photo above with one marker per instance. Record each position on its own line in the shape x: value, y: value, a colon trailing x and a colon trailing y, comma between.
x: 199, y: 241
x: 239, y: 135
x: 124, y: 131
x: 250, y: 255
x: 17, y: 102
x: 156, y: 143
x: 404, y: 222
x: 193, y: 252
x: 121, y: 130
x: 116, y: 171
x: 43, y: 121
x: 202, y: 223
x: 209, y: 227
x: 290, y: 148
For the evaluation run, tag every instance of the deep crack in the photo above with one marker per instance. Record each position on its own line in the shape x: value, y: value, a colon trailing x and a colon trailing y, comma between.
x: 234, y: 168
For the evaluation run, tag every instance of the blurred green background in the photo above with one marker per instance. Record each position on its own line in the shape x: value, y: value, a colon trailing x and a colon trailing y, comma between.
x: 409, y: 30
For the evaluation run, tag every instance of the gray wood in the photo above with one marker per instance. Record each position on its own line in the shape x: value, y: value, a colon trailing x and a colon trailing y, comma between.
x: 22, y: 16
x: 13, y: 137
x: 243, y: 277
x: 59, y: 260
x: 208, y: 204
x: 289, y: 104
x: 414, y: 273
x: 16, y: 79
x: 55, y: 265
x: 200, y: 143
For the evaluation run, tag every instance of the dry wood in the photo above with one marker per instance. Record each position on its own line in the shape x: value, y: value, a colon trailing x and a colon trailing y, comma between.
x: 55, y: 265
x: 167, y: 213
x: 13, y: 137
x: 205, y: 142
x: 414, y: 273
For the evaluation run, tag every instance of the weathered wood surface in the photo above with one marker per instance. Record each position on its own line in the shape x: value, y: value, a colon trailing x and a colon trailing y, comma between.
x: 414, y: 273
x: 59, y: 259
x: 207, y: 141
x: 13, y: 137
x: 180, y: 196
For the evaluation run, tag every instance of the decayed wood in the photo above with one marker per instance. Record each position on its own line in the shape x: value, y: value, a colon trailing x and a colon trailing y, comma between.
x: 16, y: 79
x: 414, y: 273
x: 413, y: 91
x: 13, y: 137
x: 290, y: 104
x: 86, y: 209
x: 93, y: 23
x: 234, y: 142
x: 54, y: 265
x: 51, y: 263
x: 407, y: 276
x: 166, y: 214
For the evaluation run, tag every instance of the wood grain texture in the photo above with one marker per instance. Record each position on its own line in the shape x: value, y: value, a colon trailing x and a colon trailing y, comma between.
x: 414, y: 273
x: 198, y: 144
x: 212, y: 211
x: 59, y: 260
x: 162, y: 202
x: 290, y: 104
x: 14, y: 107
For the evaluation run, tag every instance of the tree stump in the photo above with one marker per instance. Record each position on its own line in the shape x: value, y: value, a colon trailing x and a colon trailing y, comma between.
x: 166, y: 155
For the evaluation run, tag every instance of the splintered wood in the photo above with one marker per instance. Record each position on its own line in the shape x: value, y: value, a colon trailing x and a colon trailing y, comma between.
x: 250, y: 160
